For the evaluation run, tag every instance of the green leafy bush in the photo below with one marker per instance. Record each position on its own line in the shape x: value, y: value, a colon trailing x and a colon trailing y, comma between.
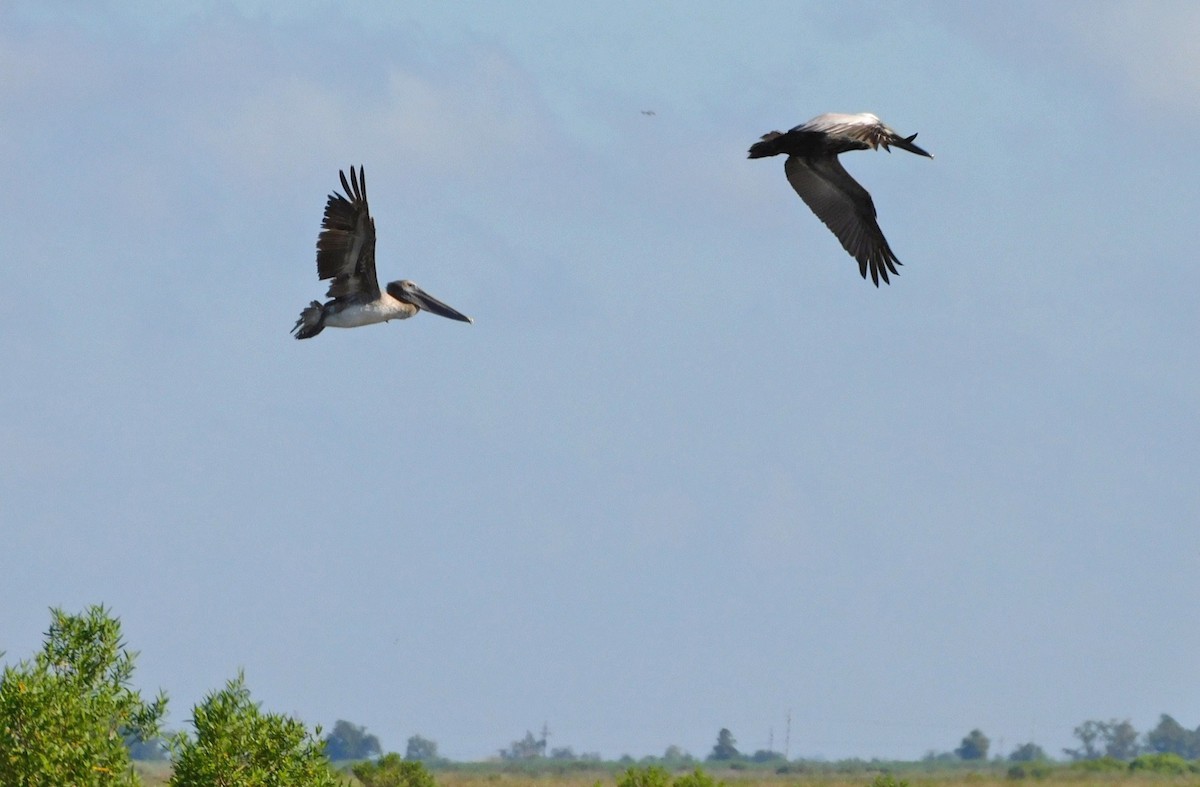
x: 650, y: 776
x: 1100, y: 765
x: 64, y: 716
x: 1029, y: 770
x: 697, y: 778
x: 393, y: 771
x: 1166, y: 763
x: 238, y: 744
x: 888, y: 780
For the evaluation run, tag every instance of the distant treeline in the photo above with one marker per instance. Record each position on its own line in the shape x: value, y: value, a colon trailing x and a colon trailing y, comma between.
x: 1113, y: 740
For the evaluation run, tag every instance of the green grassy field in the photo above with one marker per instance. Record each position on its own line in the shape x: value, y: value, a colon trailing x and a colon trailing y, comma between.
x: 863, y: 775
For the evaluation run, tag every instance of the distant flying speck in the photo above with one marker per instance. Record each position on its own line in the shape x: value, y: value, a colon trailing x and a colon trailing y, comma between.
x: 648, y: 112
x: 813, y: 169
x: 346, y: 254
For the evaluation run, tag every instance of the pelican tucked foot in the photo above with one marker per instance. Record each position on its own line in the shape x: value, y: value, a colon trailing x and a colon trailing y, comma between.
x: 310, y: 322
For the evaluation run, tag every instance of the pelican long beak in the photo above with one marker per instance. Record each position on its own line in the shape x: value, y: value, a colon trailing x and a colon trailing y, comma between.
x: 906, y: 143
x: 424, y: 300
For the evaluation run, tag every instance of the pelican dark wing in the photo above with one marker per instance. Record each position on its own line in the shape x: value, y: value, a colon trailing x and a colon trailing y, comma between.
x: 813, y: 169
x: 346, y: 245
x: 846, y: 208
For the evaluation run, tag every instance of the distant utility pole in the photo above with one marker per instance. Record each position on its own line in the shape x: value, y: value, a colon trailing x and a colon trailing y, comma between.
x: 787, y: 738
x: 545, y: 737
x: 771, y: 739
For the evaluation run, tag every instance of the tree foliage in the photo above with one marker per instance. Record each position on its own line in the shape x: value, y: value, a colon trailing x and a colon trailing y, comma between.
x: 421, y: 749
x: 932, y: 756
x: 1113, y: 738
x: 1028, y: 752
x: 1121, y: 740
x: 974, y: 746
x: 675, y: 755
x: 237, y: 744
x: 64, y: 716
x: 350, y: 742
x: 528, y: 748
x: 767, y: 755
x: 1171, y: 737
x: 1087, y: 733
x: 725, y: 748
x: 392, y: 771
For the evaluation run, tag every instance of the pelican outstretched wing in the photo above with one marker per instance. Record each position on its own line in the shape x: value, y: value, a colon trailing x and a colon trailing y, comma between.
x: 846, y: 208
x: 346, y: 245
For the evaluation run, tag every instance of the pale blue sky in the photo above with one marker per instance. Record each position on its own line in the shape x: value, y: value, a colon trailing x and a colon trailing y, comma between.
x: 687, y: 470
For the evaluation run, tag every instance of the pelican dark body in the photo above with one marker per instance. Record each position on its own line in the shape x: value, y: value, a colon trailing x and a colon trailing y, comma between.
x: 346, y: 255
x: 813, y: 169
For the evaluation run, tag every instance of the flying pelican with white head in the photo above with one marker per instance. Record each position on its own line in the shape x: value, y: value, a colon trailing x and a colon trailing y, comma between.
x: 813, y: 169
x: 346, y: 254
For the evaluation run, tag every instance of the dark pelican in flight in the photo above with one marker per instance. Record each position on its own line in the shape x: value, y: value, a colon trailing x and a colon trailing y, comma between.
x: 346, y: 254
x: 813, y: 169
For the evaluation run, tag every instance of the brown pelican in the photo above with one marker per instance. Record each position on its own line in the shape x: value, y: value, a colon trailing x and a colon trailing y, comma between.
x: 346, y: 254
x: 813, y: 169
